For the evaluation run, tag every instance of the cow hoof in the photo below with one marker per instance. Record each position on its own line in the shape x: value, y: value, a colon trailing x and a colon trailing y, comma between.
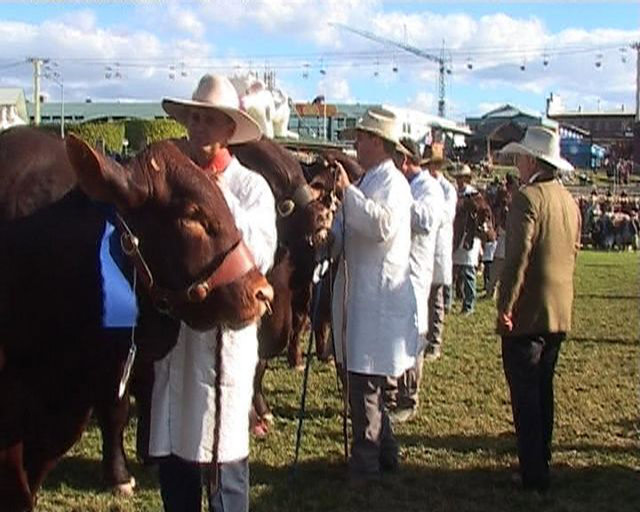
x: 299, y: 367
x: 125, y: 489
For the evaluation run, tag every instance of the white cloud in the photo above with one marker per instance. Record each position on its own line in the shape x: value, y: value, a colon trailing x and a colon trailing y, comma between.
x: 335, y: 89
x: 300, y: 19
x: 169, y: 17
x: 84, y: 19
x: 136, y: 61
x: 424, y: 101
x: 188, y: 21
x: 160, y: 36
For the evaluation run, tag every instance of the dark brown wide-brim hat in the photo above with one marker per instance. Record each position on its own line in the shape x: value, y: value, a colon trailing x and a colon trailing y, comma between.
x: 215, y: 92
x: 410, y: 148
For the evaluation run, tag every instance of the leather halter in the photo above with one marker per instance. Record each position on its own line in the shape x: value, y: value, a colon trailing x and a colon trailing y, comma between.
x: 236, y: 263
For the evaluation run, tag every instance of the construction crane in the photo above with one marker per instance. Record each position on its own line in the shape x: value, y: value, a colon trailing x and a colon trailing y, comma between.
x: 440, y: 60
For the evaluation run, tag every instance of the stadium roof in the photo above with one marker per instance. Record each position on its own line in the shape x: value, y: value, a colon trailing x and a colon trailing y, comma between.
x: 89, y: 111
x: 508, y: 111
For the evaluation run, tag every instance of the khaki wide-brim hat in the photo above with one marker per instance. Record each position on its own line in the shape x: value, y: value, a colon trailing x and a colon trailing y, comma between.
x: 464, y: 170
x: 215, y: 92
x: 439, y: 160
x: 541, y: 143
x: 380, y: 122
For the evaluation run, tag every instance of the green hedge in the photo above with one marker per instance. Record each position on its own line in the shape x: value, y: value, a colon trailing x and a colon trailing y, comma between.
x: 112, y: 133
x: 139, y: 132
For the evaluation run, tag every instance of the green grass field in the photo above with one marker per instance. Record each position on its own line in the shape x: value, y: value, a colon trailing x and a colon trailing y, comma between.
x: 457, y: 455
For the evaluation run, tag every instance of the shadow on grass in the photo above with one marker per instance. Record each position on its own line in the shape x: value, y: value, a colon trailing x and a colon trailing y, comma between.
x: 86, y: 475
x: 608, y: 341
x: 607, y: 296
x: 603, y: 265
x: 504, y: 443
x: 322, y: 485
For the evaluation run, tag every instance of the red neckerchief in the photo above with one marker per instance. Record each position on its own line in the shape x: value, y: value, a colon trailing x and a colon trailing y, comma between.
x: 219, y: 162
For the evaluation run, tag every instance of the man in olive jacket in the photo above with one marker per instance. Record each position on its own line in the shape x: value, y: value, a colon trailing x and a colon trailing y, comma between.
x: 535, y: 295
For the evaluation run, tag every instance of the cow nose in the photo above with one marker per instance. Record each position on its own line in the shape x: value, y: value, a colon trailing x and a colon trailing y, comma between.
x: 264, y: 295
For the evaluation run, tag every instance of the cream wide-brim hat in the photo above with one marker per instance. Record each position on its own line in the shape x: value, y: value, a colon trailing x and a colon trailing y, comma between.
x: 215, y: 92
x: 541, y: 143
x: 380, y: 122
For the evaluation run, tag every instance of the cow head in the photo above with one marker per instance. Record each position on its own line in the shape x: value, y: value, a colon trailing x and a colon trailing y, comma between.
x: 473, y: 220
x: 302, y: 215
x: 179, y: 231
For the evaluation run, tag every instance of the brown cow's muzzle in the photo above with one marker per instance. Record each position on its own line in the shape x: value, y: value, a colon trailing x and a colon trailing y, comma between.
x: 264, y: 296
x: 234, y: 305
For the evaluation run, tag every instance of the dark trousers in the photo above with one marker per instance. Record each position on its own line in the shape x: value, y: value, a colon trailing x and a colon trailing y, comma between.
x: 486, y: 274
x: 181, y: 485
x: 436, y: 313
x: 374, y: 447
x: 403, y: 392
x: 529, y: 363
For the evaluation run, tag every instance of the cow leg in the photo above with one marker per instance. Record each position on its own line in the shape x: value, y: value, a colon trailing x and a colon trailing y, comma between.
x: 324, y: 350
x: 15, y: 492
x: 260, y: 405
x: 142, y: 389
x: 300, y: 314
x: 49, y: 437
x: 111, y: 412
x: 294, y: 349
x: 112, y: 416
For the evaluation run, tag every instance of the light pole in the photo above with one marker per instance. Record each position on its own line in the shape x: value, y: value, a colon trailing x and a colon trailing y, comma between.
x: 56, y: 77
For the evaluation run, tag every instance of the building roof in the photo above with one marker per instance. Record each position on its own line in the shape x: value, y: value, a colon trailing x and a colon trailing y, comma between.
x: 98, y: 110
x: 574, y: 128
x: 508, y: 111
x: 592, y: 113
x: 14, y: 97
x: 11, y: 95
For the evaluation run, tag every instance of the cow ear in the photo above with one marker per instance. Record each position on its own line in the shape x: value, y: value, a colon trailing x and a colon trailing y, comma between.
x: 101, y: 178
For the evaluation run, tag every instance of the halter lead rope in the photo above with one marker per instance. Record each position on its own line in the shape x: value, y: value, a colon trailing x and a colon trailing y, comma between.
x: 131, y: 356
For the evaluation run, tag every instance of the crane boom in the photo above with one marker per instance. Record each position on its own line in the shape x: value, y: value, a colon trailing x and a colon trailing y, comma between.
x: 440, y: 60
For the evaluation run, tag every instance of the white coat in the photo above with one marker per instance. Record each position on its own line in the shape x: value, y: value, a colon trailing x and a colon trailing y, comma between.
x: 381, y: 324
x: 183, y: 399
x: 443, y: 265
x: 427, y: 214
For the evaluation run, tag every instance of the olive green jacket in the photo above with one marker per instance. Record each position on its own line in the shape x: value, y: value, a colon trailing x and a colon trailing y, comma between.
x: 542, y: 241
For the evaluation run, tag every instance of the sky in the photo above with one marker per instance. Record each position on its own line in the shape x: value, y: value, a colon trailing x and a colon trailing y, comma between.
x: 495, y: 51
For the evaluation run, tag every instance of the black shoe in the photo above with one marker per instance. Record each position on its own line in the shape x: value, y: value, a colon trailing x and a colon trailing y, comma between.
x: 361, y: 480
x: 540, y: 485
x: 389, y: 462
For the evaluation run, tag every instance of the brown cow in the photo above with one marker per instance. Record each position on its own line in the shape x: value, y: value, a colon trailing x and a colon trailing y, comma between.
x: 54, y: 352
x: 303, y: 222
x: 473, y: 219
x: 321, y: 176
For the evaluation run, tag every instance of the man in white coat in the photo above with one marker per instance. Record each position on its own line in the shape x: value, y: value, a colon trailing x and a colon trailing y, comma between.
x: 373, y: 302
x: 202, y: 389
x: 427, y: 214
x: 442, y: 264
